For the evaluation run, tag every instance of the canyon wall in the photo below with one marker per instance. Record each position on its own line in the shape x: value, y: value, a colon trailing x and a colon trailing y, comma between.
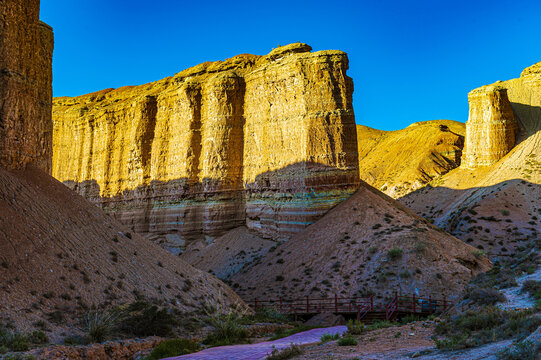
x: 266, y: 141
x: 491, y: 127
x: 26, y: 49
x: 502, y: 115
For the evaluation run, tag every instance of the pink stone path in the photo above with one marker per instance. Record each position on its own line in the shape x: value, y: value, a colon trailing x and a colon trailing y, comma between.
x: 260, y: 350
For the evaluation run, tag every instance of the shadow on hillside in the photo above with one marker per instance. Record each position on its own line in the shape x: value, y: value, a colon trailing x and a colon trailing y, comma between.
x: 528, y: 118
x: 282, y: 201
x: 497, y: 219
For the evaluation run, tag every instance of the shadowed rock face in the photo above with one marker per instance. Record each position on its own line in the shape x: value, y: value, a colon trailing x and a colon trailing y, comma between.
x: 266, y: 141
x: 26, y: 50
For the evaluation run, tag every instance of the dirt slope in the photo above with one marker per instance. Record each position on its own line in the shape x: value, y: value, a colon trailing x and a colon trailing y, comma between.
x: 495, y: 208
x: 398, y: 162
x: 346, y: 252
x: 228, y: 253
x: 59, y: 252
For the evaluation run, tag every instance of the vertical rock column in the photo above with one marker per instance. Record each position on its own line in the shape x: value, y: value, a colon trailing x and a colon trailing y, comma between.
x: 26, y: 48
x: 222, y: 150
x: 300, y: 139
x: 491, y: 127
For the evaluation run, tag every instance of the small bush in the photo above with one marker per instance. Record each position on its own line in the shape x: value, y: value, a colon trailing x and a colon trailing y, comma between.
x: 420, y: 247
x: 486, y: 296
x: 380, y: 324
x: 286, y: 353
x: 525, y: 350
x: 475, y: 328
x: 174, y: 347
x: 478, y: 254
x: 347, y: 341
x: 141, y: 319
x: 329, y: 337
x: 395, y: 253
x: 531, y: 287
x: 226, y: 323
x: 100, y: 325
x: 355, y: 327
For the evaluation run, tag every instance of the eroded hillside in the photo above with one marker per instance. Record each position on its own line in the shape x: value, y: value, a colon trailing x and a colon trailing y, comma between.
x: 399, y: 162
x: 493, y: 201
x: 369, y: 243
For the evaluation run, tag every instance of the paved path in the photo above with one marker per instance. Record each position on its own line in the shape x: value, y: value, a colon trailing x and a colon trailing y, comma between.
x: 516, y: 299
x: 260, y: 350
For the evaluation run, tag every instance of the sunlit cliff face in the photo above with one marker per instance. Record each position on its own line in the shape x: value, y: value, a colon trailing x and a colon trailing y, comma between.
x: 266, y: 141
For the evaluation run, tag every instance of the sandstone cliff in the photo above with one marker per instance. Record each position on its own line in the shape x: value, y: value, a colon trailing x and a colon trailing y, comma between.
x: 493, y: 202
x: 26, y: 50
x: 491, y: 127
x: 59, y: 253
x: 266, y: 141
x: 399, y: 162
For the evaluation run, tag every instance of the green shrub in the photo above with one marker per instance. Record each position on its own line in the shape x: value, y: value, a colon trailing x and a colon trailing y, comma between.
x: 100, y: 325
x: 420, y: 247
x: 174, y: 347
x: 265, y: 315
x: 531, y: 287
x: 347, y: 341
x: 355, y: 327
x: 145, y: 319
x: 292, y: 350
x: 381, y: 324
x: 226, y: 323
x: 395, y: 253
x: 329, y: 337
x: 525, y: 350
x: 485, y: 296
x: 478, y: 254
x: 75, y: 340
x: 475, y: 328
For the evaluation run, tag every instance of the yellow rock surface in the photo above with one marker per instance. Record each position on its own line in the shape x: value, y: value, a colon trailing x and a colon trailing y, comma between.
x: 398, y: 162
x: 266, y: 141
x: 491, y: 127
x: 26, y: 50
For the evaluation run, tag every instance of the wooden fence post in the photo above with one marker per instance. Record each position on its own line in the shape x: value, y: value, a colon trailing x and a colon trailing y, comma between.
x: 444, y: 303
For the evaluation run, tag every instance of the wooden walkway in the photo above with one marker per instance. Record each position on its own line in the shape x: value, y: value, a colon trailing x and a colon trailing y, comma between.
x: 363, y: 308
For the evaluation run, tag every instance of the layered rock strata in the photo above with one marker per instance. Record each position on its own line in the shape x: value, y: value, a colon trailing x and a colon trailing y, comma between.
x: 26, y: 49
x: 266, y: 141
x: 491, y: 127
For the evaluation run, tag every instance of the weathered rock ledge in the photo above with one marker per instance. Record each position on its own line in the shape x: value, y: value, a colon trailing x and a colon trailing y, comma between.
x: 266, y: 141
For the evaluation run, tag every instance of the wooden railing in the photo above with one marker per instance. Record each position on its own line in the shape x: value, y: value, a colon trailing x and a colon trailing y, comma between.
x: 355, y: 305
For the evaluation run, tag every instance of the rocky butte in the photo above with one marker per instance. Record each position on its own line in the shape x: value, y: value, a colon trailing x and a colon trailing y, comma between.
x: 263, y: 141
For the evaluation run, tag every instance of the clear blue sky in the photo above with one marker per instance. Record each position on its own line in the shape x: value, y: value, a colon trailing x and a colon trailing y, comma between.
x: 410, y: 60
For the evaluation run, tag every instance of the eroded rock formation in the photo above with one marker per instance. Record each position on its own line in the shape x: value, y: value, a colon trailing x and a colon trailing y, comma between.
x: 496, y: 208
x: 26, y: 50
x: 491, y: 127
x: 266, y: 141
